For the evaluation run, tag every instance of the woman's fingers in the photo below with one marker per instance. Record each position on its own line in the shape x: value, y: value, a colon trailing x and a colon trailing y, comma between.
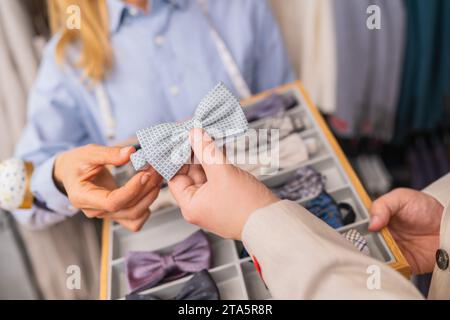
x: 100, y: 155
x: 91, y: 213
x: 153, y: 184
x: 134, y: 225
x: 135, y: 212
x: 91, y: 196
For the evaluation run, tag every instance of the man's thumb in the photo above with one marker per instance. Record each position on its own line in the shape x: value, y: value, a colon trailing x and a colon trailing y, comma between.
x: 205, y: 150
x: 381, y: 211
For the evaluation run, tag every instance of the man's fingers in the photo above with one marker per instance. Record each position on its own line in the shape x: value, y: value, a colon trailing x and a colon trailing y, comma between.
x: 182, y: 188
x: 197, y: 174
x: 100, y: 155
x: 206, y: 151
x: 384, y: 208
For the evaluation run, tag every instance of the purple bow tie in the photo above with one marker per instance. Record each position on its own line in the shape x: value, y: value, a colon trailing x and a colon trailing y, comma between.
x: 148, y: 269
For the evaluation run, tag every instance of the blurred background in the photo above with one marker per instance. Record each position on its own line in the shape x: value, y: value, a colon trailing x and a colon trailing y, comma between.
x: 384, y: 90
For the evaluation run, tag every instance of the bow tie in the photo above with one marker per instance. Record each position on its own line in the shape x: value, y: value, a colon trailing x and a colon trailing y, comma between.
x: 166, y: 146
x: 200, y: 287
x: 306, y: 183
x: 334, y: 214
x: 358, y: 240
x: 271, y: 106
x: 148, y: 269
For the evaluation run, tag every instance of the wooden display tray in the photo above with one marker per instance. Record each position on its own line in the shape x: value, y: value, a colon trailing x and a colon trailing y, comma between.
x: 398, y: 262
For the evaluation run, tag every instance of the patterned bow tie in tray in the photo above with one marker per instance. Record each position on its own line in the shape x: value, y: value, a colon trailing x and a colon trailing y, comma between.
x: 166, y: 146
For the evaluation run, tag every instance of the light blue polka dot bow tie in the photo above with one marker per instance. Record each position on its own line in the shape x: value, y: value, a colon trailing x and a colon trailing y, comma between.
x: 166, y: 147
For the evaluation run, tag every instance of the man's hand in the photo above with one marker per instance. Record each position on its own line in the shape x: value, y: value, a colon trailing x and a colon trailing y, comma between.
x: 83, y: 175
x: 216, y: 195
x: 414, y: 219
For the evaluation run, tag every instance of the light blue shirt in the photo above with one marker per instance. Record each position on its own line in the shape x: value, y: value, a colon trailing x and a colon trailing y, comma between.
x: 164, y: 63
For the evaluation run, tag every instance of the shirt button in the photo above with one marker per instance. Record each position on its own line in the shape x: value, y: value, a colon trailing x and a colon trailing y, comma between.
x: 133, y: 11
x: 159, y: 40
x: 174, y: 90
x: 442, y: 259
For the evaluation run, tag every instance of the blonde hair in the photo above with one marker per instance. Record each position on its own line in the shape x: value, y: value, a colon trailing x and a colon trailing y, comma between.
x: 95, y: 58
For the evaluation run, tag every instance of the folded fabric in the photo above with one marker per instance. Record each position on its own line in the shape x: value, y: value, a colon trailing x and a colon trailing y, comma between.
x: 200, y: 287
x: 306, y: 183
x: 358, y: 240
x: 270, y: 106
x: 285, y: 124
x: 326, y: 208
x: 264, y: 160
x: 166, y: 146
x: 148, y: 269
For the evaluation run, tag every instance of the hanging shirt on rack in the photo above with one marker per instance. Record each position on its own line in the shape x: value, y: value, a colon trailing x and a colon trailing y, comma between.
x: 369, y: 64
x: 308, y: 30
x: 426, y: 75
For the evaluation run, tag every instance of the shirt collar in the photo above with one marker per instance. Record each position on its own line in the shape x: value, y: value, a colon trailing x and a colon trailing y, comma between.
x: 116, y: 10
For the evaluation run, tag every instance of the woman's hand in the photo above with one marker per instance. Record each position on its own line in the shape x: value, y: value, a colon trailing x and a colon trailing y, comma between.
x: 414, y: 219
x: 83, y: 175
x: 216, y: 195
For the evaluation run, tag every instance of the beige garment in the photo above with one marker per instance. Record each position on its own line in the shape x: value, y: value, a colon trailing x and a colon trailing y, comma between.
x: 74, y: 241
x: 440, y: 283
x: 302, y: 258
x: 308, y: 31
x: 291, y: 244
x: 291, y: 152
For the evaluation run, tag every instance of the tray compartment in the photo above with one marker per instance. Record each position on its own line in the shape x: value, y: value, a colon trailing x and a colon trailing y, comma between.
x: 227, y: 279
x: 256, y: 289
x: 162, y: 231
x: 346, y: 195
x: 378, y: 247
x: 237, y: 278
x: 326, y: 166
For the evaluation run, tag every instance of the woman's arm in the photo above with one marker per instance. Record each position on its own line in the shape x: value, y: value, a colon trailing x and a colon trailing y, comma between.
x: 70, y: 172
x: 53, y: 126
